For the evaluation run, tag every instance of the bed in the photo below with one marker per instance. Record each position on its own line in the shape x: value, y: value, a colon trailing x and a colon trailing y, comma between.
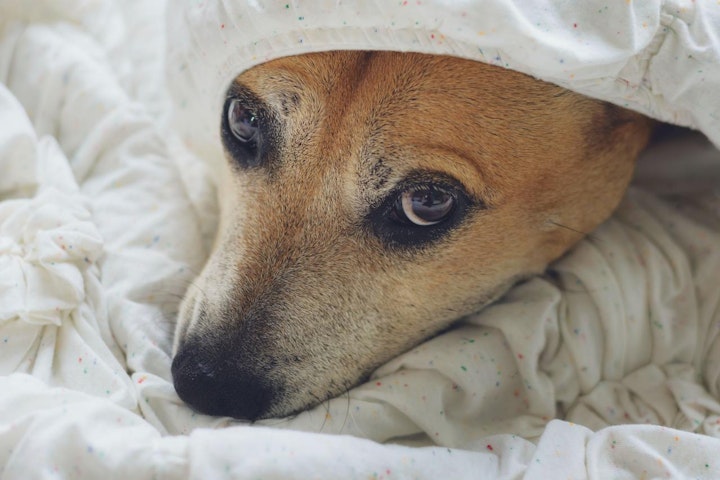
x: 607, y: 366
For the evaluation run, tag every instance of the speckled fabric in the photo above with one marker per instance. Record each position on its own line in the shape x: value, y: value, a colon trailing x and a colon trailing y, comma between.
x: 661, y: 58
x: 606, y: 367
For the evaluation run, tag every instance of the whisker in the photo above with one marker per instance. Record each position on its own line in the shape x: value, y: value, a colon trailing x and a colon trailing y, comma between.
x: 579, y: 232
x: 347, y: 410
x: 326, y: 404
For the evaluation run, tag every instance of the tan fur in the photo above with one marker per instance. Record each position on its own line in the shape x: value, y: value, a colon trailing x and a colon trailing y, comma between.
x: 303, y: 295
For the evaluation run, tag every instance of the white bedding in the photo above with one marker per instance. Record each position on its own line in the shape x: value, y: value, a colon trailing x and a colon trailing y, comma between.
x: 106, y: 216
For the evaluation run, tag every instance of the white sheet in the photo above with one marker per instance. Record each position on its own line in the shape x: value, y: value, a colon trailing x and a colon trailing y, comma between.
x: 105, y: 216
x: 660, y: 57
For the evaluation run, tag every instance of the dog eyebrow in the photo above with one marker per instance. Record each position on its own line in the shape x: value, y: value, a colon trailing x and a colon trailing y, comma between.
x: 453, y: 162
x: 380, y: 173
x: 284, y: 96
x: 245, y: 94
x: 288, y: 101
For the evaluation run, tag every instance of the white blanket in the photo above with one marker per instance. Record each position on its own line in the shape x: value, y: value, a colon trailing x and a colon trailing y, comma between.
x: 106, y: 216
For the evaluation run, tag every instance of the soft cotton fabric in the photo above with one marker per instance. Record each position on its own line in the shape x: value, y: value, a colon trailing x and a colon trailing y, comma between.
x: 107, y: 212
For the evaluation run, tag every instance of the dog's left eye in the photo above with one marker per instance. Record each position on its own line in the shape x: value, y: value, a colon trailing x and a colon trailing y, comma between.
x: 244, y: 129
x: 243, y: 123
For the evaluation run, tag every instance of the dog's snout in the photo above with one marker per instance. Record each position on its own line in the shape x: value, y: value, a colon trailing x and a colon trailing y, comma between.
x: 213, y: 385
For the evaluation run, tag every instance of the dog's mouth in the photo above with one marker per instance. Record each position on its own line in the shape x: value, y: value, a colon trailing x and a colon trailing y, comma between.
x: 256, y: 363
x: 258, y: 366
x: 219, y: 381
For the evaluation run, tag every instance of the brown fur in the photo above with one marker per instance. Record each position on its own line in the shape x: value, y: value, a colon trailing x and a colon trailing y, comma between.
x: 301, y: 295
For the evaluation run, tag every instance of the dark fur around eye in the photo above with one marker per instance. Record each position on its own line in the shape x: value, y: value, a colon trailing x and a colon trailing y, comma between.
x: 383, y: 221
x: 251, y: 146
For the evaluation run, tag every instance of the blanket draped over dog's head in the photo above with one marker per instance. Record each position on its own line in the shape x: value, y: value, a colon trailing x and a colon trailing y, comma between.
x: 661, y: 58
x: 105, y: 219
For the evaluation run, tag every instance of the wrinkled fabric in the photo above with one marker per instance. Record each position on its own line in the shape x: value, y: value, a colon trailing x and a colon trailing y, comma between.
x: 608, y: 366
x: 661, y: 58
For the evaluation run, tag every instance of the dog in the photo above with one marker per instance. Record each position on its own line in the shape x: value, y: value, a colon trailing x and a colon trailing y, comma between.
x: 367, y: 201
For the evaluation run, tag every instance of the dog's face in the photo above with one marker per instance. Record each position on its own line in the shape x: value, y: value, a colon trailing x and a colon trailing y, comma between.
x: 368, y: 199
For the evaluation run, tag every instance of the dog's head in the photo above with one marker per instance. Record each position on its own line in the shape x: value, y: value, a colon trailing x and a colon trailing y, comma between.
x: 368, y: 199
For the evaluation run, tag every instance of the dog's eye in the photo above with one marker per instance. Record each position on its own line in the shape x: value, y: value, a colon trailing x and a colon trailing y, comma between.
x: 421, y: 210
x: 243, y: 123
x: 424, y: 206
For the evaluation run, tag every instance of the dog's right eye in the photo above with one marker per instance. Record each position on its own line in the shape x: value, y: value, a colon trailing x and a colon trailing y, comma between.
x: 420, y: 211
x: 423, y: 207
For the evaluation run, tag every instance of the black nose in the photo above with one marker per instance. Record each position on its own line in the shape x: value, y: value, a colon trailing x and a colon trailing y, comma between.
x: 212, y: 384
